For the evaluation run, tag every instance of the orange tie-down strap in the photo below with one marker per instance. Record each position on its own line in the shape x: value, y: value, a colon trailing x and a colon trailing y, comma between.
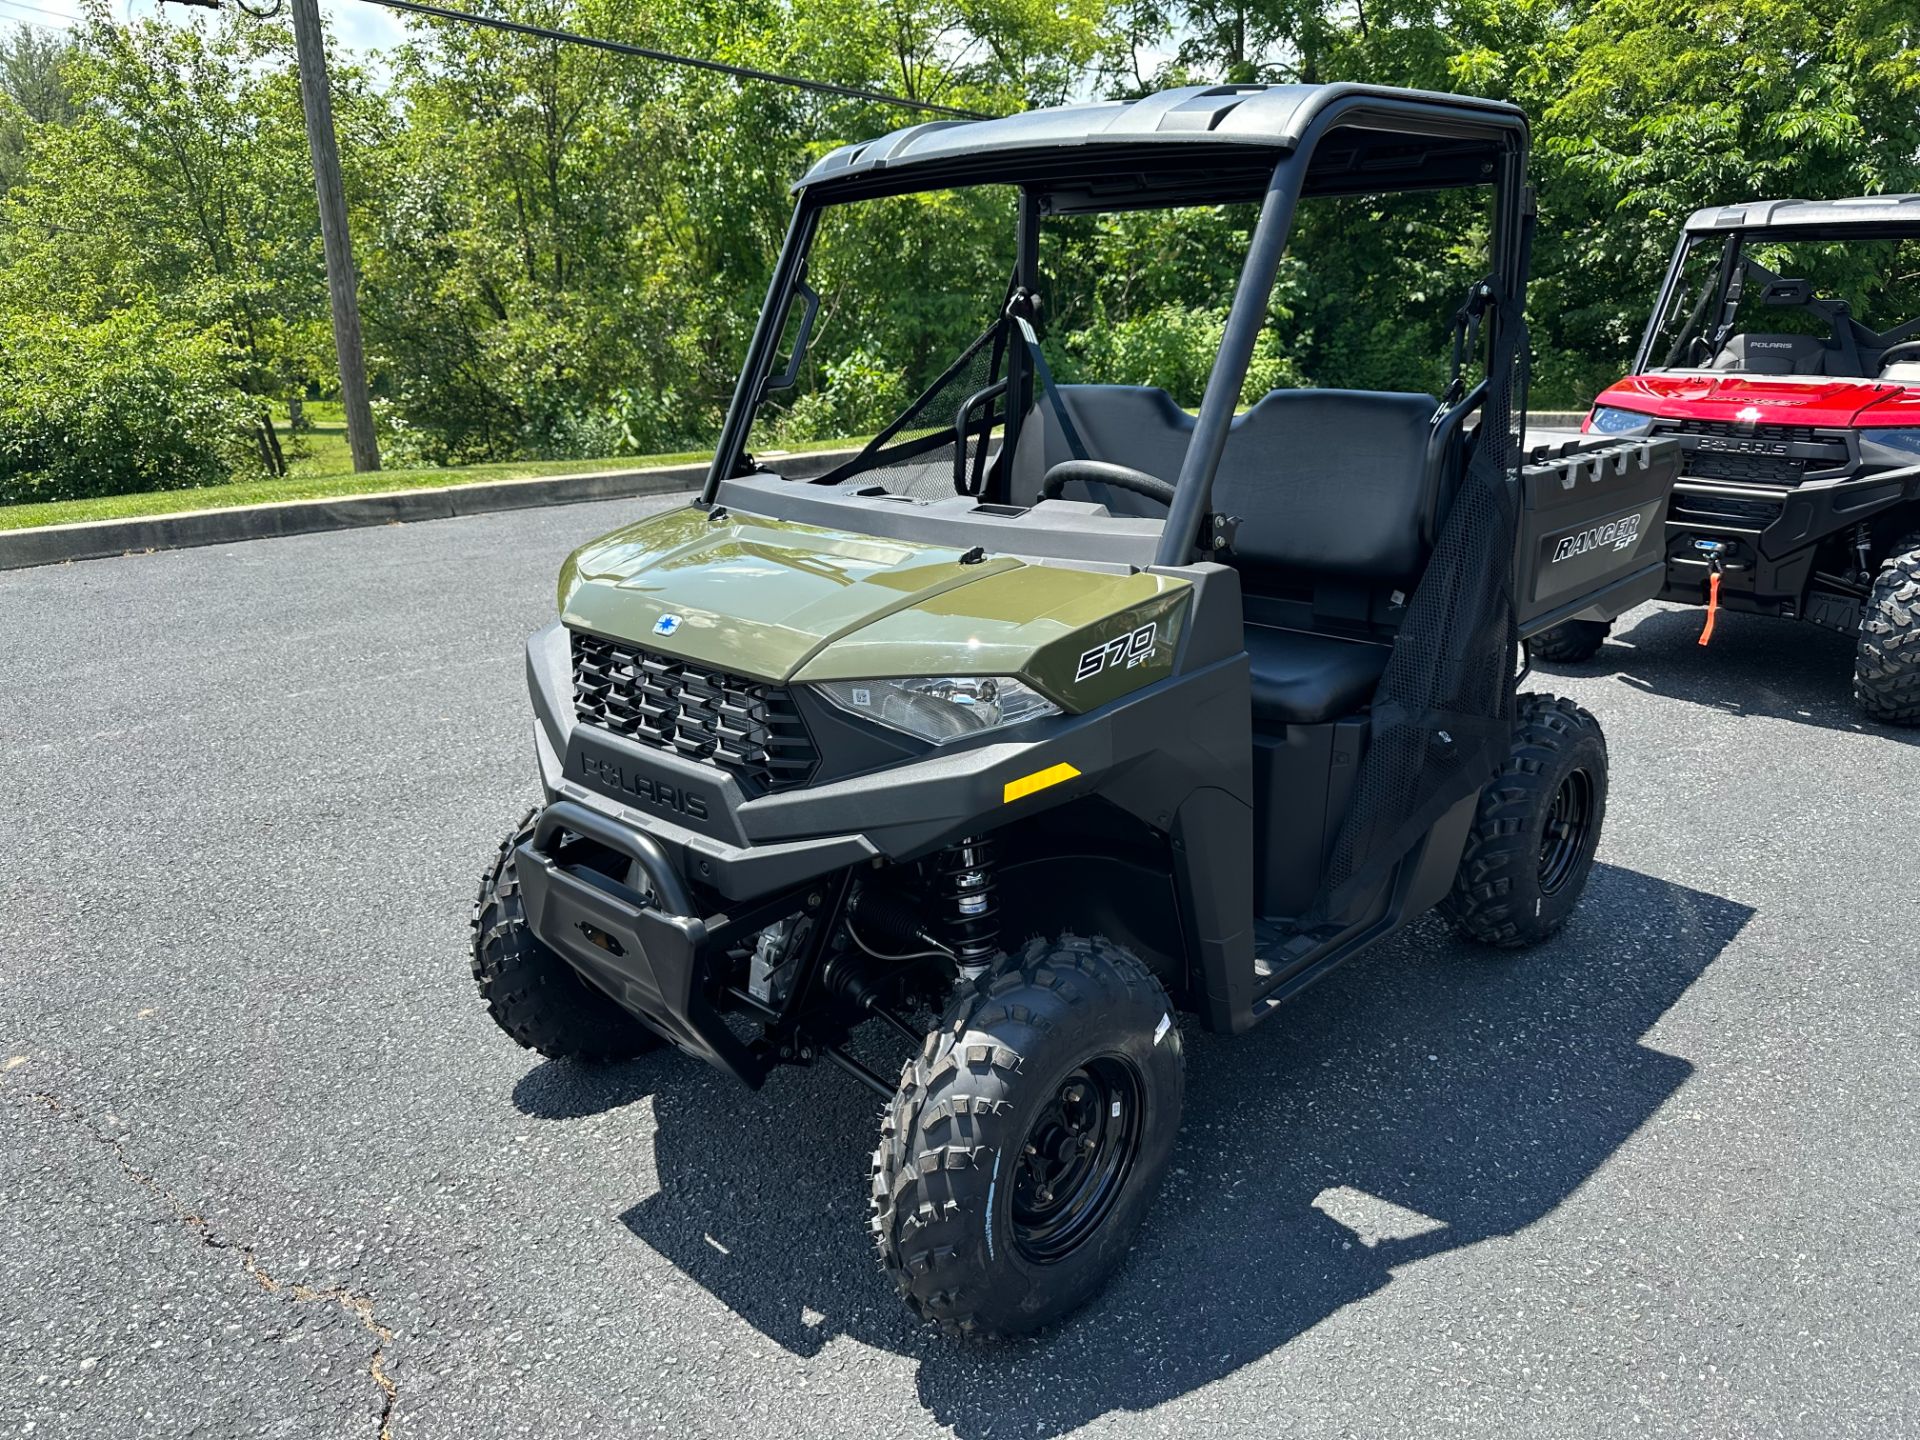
x: 1713, y: 605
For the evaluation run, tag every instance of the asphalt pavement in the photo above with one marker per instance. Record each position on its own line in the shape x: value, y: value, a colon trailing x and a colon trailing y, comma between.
x: 267, y: 1168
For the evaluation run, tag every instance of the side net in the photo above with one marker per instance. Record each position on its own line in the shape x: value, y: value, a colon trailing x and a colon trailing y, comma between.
x: 1443, y: 714
x: 932, y: 450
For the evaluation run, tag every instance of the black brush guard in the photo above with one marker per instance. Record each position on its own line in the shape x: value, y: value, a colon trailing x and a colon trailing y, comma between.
x: 639, y: 935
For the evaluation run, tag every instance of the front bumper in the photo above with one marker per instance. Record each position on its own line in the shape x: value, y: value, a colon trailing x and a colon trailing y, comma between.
x: 638, y: 935
x: 1772, y: 534
x: 702, y: 866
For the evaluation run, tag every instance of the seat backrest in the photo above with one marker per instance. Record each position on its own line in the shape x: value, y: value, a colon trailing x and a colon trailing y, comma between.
x: 1338, y: 492
x: 1333, y: 483
x: 1137, y: 425
x: 1773, y: 355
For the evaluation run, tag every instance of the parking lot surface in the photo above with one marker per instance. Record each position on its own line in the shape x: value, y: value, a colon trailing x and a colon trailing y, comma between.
x: 267, y: 1168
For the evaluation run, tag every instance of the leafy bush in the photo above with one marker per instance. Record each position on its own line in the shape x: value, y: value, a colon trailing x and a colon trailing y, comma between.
x: 123, y: 405
x: 861, y: 393
x: 1173, y: 347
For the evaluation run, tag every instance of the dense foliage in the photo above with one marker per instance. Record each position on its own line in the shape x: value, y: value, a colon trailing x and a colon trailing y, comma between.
x: 562, y: 250
x: 128, y: 403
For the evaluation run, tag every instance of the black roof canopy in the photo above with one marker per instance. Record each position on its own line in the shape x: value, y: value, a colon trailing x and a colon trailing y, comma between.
x: 1861, y: 216
x: 1193, y: 144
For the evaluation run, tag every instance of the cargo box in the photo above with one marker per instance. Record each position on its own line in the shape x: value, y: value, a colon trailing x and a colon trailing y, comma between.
x: 1592, y: 517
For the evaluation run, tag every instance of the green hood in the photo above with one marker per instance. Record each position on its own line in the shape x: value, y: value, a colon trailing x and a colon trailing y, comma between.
x: 753, y: 596
x: 769, y: 598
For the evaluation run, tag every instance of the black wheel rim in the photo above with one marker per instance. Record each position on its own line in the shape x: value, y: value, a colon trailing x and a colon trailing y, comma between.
x: 1568, y: 831
x: 1077, y: 1157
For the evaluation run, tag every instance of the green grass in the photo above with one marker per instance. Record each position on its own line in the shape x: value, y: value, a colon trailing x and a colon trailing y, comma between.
x: 320, y: 469
x: 321, y: 450
x: 302, y: 487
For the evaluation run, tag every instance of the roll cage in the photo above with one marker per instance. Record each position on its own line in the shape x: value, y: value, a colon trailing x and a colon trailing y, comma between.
x: 1270, y: 145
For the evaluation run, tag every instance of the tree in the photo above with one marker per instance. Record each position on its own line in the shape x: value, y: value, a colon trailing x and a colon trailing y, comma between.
x: 133, y: 401
x: 181, y: 178
x: 32, y: 92
x: 1650, y: 109
x: 563, y: 250
x: 581, y: 240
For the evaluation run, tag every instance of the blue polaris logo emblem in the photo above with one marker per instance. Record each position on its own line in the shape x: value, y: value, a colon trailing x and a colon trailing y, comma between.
x: 666, y: 625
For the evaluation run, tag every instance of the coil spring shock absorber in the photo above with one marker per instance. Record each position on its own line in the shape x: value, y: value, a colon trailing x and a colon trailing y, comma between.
x: 1863, y: 552
x: 965, y: 901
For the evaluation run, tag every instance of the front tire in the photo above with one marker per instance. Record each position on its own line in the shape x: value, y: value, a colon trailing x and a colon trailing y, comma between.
x: 533, y: 994
x: 1886, y: 667
x: 1538, y: 826
x: 1028, y: 1138
x: 1570, y: 642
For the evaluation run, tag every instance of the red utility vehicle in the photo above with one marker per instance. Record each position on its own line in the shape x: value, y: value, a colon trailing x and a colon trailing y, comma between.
x: 1784, y: 355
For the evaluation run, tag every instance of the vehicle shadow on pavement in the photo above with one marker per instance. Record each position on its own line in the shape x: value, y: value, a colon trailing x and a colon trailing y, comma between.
x: 1756, y: 665
x: 1426, y: 1097
x: 573, y: 1092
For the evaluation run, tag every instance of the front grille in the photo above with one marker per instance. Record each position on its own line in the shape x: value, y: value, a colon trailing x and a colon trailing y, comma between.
x: 1731, y: 430
x: 1721, y: 512
x: 1747, y: 469
x: 1757, y: 454
x: 748, y: 726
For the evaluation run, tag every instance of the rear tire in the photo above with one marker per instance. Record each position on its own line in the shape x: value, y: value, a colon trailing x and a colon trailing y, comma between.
x: 1886, y: 666
x: 1533, y: 841
x: 1028, y: 1138
x: 1570, y: 642
x: 533, y: 994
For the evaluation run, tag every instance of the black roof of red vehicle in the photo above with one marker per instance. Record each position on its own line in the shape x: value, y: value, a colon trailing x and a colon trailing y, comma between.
x: 1862, y: 212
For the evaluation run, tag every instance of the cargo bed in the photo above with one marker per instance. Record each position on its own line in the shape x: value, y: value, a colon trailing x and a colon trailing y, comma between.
x: 1589, y: 545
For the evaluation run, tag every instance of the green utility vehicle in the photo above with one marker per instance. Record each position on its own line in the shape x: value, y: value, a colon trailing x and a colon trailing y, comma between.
x: 1061, y: 717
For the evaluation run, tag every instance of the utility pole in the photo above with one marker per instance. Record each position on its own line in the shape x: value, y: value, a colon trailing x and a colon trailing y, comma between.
x: 317, y: 100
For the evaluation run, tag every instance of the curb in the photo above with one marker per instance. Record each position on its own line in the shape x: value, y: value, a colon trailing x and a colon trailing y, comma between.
x: 104, y: 539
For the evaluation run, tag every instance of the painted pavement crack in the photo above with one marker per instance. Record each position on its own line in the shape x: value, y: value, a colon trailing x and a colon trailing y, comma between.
x: 359, y: 1306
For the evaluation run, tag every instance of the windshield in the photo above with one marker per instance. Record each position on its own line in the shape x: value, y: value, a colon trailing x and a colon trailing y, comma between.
x: 932, y: 369
x: 1759, y: 303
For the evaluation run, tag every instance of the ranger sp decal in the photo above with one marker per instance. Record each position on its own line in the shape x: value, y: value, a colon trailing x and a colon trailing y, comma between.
x: 1123, y: 650
x: 1620, y: 534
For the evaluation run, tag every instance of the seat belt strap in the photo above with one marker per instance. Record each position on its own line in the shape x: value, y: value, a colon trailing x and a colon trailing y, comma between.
x: 1101, y: 493
x: 1729, y: 308
x: 1466, y: 341
x: 1051, y: 390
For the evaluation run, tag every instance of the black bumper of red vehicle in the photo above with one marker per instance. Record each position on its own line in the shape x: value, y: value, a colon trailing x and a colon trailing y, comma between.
x: 1768, y: 537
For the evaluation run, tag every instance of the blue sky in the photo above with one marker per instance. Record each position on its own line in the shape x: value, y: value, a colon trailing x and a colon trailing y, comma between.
x: 358, y: 25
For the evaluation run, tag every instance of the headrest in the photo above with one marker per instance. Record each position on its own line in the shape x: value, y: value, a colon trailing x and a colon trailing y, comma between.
x: 1773, y: 355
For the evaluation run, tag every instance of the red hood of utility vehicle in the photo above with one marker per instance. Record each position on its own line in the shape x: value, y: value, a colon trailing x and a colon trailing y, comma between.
x: 1767, y: 400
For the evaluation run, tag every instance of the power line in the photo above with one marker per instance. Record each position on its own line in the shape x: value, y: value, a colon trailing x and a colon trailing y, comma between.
x: 620, y: 47
x: 70, y: 20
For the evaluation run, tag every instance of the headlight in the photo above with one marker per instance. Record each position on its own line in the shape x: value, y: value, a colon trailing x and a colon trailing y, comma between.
x: 1892, y: 446
x: 940, y: 708
x: 1606, y: 420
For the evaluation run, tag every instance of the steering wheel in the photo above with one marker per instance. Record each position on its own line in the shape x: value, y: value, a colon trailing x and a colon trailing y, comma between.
x: 1103, y: 472
x: 1894, y: 352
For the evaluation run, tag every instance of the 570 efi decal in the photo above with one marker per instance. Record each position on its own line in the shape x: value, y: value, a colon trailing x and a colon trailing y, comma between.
x: 1127, y: 650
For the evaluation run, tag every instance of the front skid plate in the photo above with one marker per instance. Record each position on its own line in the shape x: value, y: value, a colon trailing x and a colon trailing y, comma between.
x: 648, y: 961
